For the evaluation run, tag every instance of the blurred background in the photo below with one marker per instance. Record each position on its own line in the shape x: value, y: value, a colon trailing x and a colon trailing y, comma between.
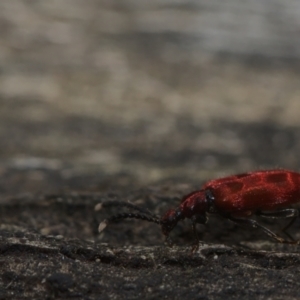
x: 101, y: 93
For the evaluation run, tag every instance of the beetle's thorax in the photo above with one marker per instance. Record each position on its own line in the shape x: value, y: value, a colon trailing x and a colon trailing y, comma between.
x: 196, y: 203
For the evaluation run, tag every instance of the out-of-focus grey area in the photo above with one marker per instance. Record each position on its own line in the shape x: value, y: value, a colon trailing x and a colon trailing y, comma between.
x: 149, y: 89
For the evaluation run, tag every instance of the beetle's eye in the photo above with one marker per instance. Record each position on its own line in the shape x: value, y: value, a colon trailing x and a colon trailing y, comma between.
x: 209, y: 195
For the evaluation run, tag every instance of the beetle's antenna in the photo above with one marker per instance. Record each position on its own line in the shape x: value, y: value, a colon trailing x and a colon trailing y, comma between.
x: 114, y: 218
x: 108, y: 204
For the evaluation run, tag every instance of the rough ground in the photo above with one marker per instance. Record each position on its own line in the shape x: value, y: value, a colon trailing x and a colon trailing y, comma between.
x: 50, y: 249
x: 142, y: 102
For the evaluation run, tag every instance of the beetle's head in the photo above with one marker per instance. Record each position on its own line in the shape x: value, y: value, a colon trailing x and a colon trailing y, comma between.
x: 169, y: 220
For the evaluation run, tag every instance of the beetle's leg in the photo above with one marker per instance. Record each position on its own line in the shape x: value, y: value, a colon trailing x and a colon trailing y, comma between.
x: 197, y: 240
x: 285, y: 213
x: 195, y: 232
x: 198, y: 219
x: 254, y: 224
x: 289, y: 224
x: 168, y: 241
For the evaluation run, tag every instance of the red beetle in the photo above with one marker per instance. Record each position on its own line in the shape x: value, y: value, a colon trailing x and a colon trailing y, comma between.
x: 268, y: 194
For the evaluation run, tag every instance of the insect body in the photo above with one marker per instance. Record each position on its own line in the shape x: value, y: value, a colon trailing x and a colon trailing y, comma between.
x: 269, y: 194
